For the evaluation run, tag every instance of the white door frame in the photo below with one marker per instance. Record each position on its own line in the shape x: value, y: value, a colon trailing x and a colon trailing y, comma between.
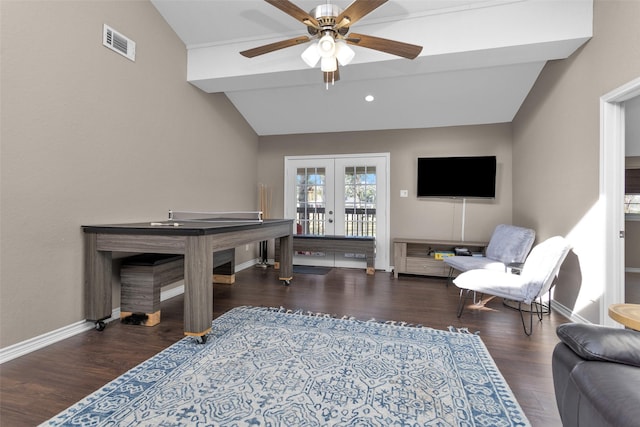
x: 612, y: 154
x: 382, y: 257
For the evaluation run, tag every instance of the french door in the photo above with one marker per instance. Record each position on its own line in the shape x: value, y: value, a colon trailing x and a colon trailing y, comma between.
x: 339, y: 195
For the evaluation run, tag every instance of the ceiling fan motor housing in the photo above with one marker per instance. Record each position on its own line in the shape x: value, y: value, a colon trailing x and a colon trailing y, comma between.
x: 326, y: 15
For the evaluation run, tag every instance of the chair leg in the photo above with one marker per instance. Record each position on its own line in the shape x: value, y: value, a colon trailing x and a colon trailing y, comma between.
x: 477, y: 300
x: 450, y: 277
x: 540, y: 310
x: 538, y: 313
x: 548, y: 311
x: 545, y: 306
x: 524, y: 326
x: 462, y: 300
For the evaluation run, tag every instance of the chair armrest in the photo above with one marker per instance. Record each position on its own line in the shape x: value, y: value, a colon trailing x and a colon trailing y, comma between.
x: 601, y: 343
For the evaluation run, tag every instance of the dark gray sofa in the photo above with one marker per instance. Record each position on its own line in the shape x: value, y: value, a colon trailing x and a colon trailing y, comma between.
x: 596, y: 375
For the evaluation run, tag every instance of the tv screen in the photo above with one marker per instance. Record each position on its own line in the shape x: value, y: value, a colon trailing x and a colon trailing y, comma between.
x: 457, y: 177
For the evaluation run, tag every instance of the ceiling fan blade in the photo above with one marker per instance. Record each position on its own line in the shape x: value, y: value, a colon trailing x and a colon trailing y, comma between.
x: 332, y: 77
x: 406, y: 50
x: 294, y: 11
x: 261, y: 50
x: 355, y: 11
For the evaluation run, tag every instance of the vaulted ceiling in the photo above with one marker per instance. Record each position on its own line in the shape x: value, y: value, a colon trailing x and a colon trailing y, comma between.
x: 479, y: 61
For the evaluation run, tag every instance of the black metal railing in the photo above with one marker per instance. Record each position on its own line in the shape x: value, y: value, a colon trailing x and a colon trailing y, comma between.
x: 357, y: 221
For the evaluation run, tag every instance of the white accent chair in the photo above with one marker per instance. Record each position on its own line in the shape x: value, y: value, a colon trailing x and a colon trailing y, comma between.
x: 509, y: 244
x: 536, y: 278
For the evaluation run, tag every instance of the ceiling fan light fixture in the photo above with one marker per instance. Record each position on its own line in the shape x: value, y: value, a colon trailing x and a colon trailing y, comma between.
x: 311, y: 55
x: 329, y: 24
x: 344, y: 54
x: 327, y: 46
x: 328, y: 64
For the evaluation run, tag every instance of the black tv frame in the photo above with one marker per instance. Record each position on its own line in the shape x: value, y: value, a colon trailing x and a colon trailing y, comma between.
x: 459, y: 177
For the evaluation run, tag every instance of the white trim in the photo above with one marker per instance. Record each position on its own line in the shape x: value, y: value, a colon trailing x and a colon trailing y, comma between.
x: 337, y: 156
x: 36, y: 343
x: 612, y: 149
x: 387, y: 224
x: 569, y: 314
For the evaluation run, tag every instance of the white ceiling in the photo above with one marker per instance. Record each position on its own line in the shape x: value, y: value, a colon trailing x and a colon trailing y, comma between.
x: 480, y: 59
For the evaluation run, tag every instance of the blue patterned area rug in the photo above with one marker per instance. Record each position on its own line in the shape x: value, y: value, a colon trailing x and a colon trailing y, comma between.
x: 272, y: 367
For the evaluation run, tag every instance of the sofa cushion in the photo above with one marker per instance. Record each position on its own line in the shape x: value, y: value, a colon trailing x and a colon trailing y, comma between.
x: 601, y: 343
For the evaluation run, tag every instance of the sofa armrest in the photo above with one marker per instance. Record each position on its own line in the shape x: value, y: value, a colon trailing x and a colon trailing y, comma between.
x: 601, y: 343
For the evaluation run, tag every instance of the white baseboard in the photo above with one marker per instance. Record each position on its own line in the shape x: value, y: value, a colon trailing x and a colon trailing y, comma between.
x: 566, y: 312
x: 25, y: 347
x: 36, y: 343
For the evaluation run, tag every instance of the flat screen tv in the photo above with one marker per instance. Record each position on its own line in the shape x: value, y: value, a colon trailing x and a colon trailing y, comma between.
x: 457, y: 177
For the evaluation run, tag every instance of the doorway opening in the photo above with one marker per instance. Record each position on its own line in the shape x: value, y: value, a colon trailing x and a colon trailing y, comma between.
x: 612, y: 156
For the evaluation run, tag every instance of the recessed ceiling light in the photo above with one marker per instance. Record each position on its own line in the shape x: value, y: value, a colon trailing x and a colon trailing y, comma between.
x: 369, y: 98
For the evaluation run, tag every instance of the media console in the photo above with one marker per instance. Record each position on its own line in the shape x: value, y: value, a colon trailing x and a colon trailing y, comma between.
x: 418, y: 256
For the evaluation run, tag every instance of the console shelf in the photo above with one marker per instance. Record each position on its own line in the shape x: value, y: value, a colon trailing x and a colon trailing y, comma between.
x: 418, y: 256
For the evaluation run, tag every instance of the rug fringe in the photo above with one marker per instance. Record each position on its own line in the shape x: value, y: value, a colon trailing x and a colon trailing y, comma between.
x: 310, y: 313
x: 462, y: 330
x: 334, y: 316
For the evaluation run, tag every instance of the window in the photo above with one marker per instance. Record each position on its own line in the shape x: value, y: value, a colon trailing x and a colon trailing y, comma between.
x: 360, y: 194
x: 310, y: 206
x: 632, y: 194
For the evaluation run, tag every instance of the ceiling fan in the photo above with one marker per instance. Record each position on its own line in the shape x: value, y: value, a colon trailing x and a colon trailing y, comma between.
x: 330, y: 25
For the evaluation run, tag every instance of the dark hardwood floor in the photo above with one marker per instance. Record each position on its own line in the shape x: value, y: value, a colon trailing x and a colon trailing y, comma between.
x: 37, y: 386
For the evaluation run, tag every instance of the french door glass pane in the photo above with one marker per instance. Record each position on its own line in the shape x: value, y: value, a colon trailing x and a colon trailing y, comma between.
x: 310, y: 205
x: 360, y: 200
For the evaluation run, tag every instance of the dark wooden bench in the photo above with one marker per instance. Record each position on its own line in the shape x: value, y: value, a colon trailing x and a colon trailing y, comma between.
x: 335, y: 244
x: 142, y: 277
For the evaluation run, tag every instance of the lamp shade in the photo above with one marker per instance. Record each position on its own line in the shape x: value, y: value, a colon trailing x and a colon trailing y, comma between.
x: 327, y: 46
x: 329, y: 52
x: 344, y: 54
x: 328, y: 64
x: 311, y: 55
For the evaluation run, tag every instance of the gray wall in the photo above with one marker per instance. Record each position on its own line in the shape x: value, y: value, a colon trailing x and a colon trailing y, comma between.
x: 632, y: 131
x: 89, y: 137
x: 556, y: 148
x: 410, y: 217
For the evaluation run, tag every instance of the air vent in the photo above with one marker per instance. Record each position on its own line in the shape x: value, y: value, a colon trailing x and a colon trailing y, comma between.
x: 118, y: 42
